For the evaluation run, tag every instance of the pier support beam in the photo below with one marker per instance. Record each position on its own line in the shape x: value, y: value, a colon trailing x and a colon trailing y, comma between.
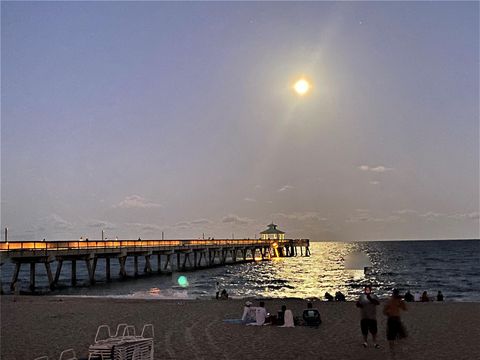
x: 186, y: 257
x: 135, y: 265
x: 32, y: 276
x: 15, y: 276
x: 51, y: 283
x: 148, y: 267
x: 159, y: 263
x: 91, y: 272
x: 74, y: 272
x: 123, y: 272
x: 107, y: 269
x: 58, y: 271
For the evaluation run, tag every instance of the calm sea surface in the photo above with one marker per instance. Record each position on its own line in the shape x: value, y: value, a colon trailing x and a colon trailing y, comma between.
x: 450, y: 266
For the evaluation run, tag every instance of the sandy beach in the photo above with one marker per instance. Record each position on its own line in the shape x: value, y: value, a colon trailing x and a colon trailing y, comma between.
x: 35, y: 326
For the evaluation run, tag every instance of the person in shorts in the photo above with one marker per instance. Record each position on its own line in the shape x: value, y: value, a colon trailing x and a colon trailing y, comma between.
x: 368, y: 302
x: 395, y: 328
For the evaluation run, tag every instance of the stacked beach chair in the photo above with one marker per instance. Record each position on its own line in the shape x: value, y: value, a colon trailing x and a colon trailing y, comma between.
x: 124, y: 344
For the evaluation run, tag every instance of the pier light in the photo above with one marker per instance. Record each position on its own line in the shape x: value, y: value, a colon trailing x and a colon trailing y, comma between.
x: 272, y: 233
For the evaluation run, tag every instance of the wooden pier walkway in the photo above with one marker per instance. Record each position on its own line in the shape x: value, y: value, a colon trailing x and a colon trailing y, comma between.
x: 171, y: 255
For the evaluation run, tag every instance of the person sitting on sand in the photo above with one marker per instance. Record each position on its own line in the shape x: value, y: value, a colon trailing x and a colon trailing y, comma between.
x: 339, y: 296
x: 248, y: 313
x: 281, y: 315
x: 368, y: 302
x: 439, y: 296
x: 260, y: 315
x: 424, y: 297
x: 311, y: 316
x: 224, y: 295
x: 288, y: 319
x: 328, y: 296
x: 395, y: 328
x: 408, y: 296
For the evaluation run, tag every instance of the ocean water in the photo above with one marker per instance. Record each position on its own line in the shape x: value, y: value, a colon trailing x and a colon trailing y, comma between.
x: 451, y: 266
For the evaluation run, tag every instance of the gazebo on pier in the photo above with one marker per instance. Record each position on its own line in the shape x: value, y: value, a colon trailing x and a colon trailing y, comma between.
x: 272, y: 233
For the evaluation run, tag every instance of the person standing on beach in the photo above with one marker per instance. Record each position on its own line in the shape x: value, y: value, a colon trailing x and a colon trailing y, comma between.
x: 217, y: 290
x: 368, y: 302
x: 395, y: 327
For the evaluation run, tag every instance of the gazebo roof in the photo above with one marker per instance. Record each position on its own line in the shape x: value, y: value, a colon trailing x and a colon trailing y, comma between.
x: 272, y: 229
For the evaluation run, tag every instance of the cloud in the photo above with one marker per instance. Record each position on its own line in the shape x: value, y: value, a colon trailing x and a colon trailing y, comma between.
x: 374, y: 182
x: 136, y: 201
x: 405, y: 211
x: 459, y: 216
x: 187, y: 224
x: 182, y: 224
x: 100, y: 224
x: 365, y: 217
x: 235, y: 219
x: 144, y: 227
x: 301, y: 216
x: 474, y: 215
x: 432, y: 215
x: 285, y: 188
x: 376, y: 169
x: 249, y: 199
x: 200, y: 221
x: 56, y: 223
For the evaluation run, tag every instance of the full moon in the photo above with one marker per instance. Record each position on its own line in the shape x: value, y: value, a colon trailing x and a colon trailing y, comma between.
x: 301, y: 87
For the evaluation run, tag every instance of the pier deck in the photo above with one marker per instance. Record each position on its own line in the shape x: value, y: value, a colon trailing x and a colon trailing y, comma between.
x: 171, y: 255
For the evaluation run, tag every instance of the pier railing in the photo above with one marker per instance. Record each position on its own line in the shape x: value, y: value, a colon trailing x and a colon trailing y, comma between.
x: 13, y: 246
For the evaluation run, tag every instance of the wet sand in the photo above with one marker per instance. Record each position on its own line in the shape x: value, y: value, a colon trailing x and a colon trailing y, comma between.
x: 34, y: 326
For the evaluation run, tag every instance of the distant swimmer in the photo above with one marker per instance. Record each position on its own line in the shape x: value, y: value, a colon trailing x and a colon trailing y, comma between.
x: 424, y: 297
x: 439, y: 296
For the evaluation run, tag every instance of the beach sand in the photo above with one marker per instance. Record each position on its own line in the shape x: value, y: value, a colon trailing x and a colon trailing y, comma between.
x: 34, y: 326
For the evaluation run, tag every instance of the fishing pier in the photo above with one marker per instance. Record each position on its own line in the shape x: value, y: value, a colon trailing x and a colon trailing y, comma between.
x: 167, y: 255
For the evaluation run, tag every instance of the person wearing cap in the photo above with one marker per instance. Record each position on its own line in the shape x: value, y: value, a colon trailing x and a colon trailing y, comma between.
x: 368, y: 302
x: 392, y: 309
x: 248, y: 313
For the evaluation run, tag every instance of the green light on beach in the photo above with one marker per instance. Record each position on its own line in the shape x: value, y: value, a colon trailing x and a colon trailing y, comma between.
x: 182, y: 281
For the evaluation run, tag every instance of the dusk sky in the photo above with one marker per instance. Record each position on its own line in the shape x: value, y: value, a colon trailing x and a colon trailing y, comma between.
x: 139, y: 118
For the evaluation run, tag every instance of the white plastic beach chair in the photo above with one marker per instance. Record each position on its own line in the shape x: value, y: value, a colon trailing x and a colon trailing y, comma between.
x: 145, y: 329
x: 68, y: 354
